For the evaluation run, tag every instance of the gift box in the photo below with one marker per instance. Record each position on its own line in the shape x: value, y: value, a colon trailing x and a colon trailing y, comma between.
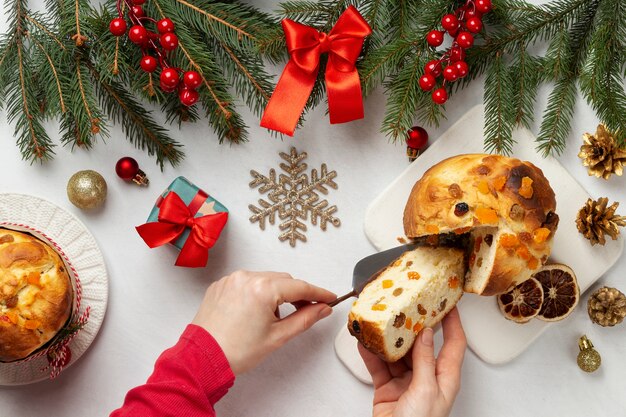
x: 188, y: 218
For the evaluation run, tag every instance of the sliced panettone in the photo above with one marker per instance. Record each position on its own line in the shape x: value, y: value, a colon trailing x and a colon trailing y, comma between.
x: 417, y: 290
x: 507, y: 206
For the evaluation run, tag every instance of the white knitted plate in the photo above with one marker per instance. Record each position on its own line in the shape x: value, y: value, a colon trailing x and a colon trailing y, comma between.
x: 493, y: 338
x: 83, y: 254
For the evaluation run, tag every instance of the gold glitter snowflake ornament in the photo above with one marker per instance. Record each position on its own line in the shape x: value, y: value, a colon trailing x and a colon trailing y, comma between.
x: 294, y: 197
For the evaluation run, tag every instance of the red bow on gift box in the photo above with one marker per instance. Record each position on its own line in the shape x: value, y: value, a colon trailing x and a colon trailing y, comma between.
x: 174, y: 217
x: 305, y: 45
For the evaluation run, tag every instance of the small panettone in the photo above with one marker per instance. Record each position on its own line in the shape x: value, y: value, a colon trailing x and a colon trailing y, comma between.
x: 506, y: 205
x: 35, y: 294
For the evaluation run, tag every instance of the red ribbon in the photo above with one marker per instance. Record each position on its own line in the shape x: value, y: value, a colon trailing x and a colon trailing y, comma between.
x: 174, y: 217
x: 305, y: 45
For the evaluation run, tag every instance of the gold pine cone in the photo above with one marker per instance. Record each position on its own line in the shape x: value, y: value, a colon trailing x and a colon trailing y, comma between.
x: 595, y: 220
x: 601, y: 154
x: 607, y: 306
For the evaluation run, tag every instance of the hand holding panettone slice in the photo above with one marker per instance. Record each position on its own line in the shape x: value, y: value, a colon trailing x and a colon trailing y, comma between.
x: 506, y: 205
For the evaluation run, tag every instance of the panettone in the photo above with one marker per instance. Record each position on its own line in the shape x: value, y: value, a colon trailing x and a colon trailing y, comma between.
x: 35, y: 294
x: 417, y: 290
x: 507, y: 206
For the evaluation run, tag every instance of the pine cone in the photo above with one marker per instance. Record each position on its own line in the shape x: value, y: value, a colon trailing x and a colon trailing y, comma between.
x: 607, y: 306
x: 596, y: 220
x: 601, y: 154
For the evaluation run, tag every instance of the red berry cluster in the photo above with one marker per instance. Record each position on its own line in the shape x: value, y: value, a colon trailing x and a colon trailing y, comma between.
x: 461, y: 25
x: 154, y: 54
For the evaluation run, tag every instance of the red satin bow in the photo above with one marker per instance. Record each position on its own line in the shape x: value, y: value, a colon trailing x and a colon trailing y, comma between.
x: 174, y: 218
x: 305, y: 45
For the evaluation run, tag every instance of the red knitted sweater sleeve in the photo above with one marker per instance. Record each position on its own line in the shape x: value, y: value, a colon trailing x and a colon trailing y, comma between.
x: 188, y: 380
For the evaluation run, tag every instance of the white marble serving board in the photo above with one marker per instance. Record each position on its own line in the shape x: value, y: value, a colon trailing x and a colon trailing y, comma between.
x: 493, y: 338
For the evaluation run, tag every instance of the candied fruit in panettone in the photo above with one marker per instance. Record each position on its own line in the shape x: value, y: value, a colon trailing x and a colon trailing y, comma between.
x: 486, y: 215
x: 453, y: 282
x: 408, y: 323
x: 387, y: 283
x: 34, y: 278
x: 432, y: 229
x: 12, y: 315
x: 508, y: 240
x: 499, y: 182
x: 523, y: 253
x: 413, y: 275
x: 455, y: 191
x: 526, y: 189
x: 32, y: 324
x: 541, y: 235
x: 379, y: 307
x: 418, y: 327
x: 483, y: 187
x: 533, y: 263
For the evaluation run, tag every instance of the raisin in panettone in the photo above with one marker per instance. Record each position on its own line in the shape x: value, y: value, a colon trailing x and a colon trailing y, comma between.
x: 35, y: 294
x: 507, y: 206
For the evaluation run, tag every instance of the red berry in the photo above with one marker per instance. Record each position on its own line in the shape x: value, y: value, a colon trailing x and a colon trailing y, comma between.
x: 148, y: 63
x: 417, y: 137
x: 472, y: 12
x: 450, y: 73
x: 474, y: 24
x: 450, y: 22
x: 166, y: 88
x: 483, y: 6
x: 117, y: 26
x: 457, y: 54
x: 461, y: 68
x: 165, y: 26
x: 138, y: 2
x: 138, y: 34
x: 433, y: 67
x: 465, y: 40
x: 169, y: 78
x: 434, y: 38
x: 440, y: 95
x: 192, y: 79
x: 427, y: 82
x: 188, y: 96
x: 137, y: 11
x: 169, y: 41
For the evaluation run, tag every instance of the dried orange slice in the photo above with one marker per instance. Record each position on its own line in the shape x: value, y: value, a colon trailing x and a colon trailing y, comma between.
x: 523, y: 302
x: 561, y: 292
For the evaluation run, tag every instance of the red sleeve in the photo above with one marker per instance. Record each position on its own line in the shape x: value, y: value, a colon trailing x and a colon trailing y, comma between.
x: 188, y: 380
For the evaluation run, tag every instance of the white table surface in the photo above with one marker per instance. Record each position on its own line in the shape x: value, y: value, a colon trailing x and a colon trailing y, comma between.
x: 151, y: 301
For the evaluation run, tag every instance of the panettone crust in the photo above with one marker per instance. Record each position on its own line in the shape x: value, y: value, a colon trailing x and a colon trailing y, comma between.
x: 35, y: 294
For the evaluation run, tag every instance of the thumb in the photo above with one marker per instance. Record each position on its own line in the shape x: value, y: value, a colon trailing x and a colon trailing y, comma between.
x: 424, y: 362
x: 300, y: 321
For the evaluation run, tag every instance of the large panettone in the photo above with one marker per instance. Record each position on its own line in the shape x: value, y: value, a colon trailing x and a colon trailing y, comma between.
x: 506, y: 204
x: 35, y: 294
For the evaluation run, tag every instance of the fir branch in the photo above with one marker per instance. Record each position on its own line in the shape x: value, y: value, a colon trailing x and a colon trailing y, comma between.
x: 525, y: 75
x: 557, y: 118
x: 499, y: 109
x: 376, y: 14
x: 55, y: 74
x: 384, y: 60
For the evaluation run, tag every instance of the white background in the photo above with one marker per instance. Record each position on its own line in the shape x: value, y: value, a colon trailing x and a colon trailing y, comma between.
x: 151, y: 301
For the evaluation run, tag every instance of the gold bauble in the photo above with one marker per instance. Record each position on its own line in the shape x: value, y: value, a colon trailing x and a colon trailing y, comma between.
x: 588, y: 359
x: 87, y: 189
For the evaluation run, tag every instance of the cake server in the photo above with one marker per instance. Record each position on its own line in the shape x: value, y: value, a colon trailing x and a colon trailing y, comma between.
x: 368, y: 268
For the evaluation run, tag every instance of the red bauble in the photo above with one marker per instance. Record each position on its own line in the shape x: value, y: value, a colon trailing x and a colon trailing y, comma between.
x: 433, y: 67
x: 188, y: 96
x: 440, y: 95
x: 138, y: 34
x: 137, y: 11
x: 450, y: 22
x: 450, y: 73
x: 192, y: 79
x: 126, y: 168
x: 148, y: 63
x: 165, y: 26
x: 465, y: 40
x: 457, y: 54
x: 138, y: 2
x: 483, y: 6
x: 427, y: 82
x: 169, y: 78
x: 416, y: 138
x: 169, y: 41
x: 474, y: 24
x: 434, y: 38
x: 461, y: 68
x: 117, y: 26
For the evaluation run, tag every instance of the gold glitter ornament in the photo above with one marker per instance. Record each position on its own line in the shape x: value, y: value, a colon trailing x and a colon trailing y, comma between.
x: 87, y: 189
x: 607, y: 306
x: 595, y: 220
x: 589, y: 359
x: 601, y: 154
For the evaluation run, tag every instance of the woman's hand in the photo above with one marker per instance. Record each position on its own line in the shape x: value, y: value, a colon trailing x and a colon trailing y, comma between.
x: 420, y: 385
x: 241, y: 312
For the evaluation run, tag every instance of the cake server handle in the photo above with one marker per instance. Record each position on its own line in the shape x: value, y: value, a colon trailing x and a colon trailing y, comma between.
x: 344, y: 297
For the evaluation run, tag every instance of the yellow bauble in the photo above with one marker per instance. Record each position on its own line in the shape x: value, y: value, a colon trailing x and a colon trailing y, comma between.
x: 87, y: 189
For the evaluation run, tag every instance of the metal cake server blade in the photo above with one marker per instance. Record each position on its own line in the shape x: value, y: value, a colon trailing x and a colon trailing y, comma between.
x: 368, y: 268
